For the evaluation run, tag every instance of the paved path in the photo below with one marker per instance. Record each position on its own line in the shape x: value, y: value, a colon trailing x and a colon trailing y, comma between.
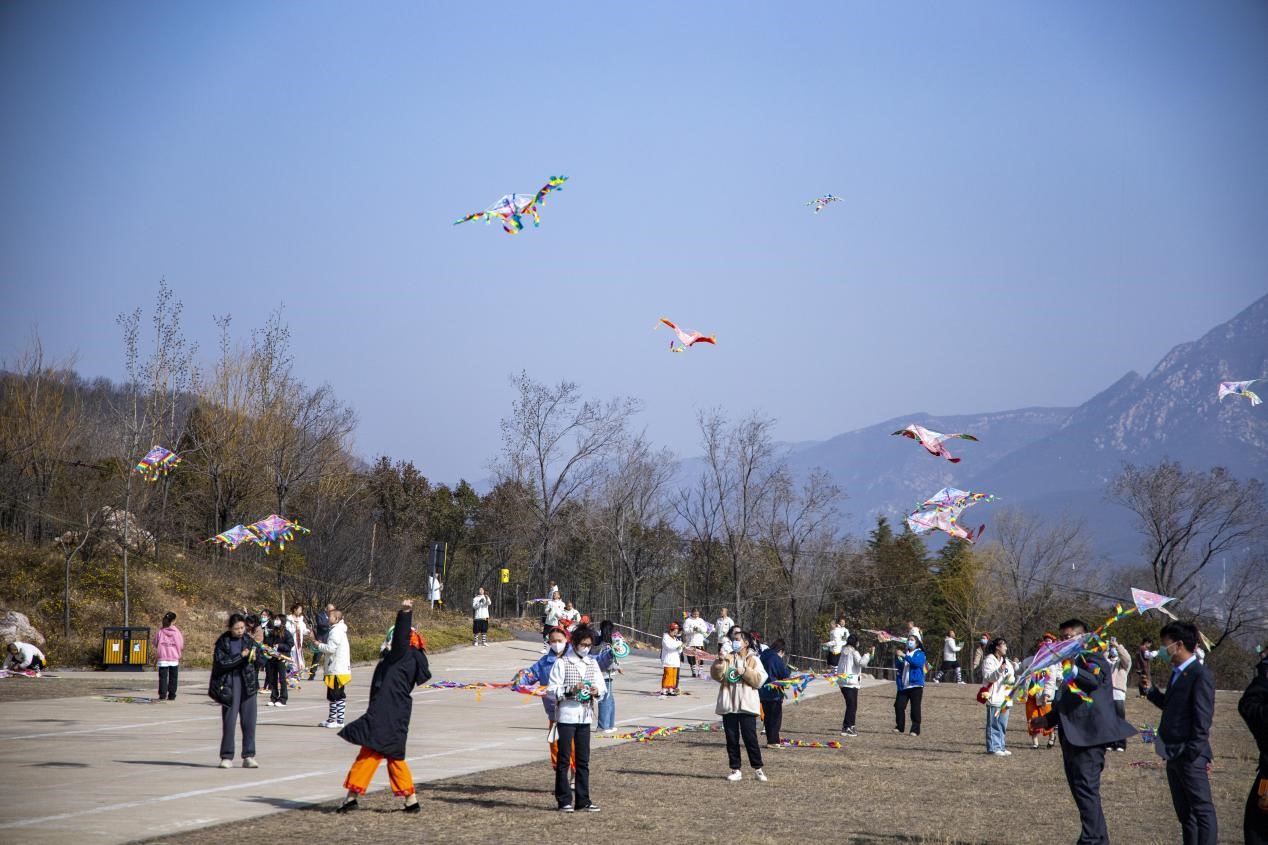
x: 94, y: 772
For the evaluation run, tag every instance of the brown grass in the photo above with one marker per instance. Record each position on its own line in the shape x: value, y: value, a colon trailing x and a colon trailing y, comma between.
x: 883, y: 787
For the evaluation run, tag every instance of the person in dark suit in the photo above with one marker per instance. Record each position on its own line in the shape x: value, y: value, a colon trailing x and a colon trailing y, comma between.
x: 1184, y: 732
x: 1254, y: 709
x: 1086, y: 731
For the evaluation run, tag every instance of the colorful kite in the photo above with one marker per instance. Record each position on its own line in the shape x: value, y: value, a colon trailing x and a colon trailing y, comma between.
x: 822, y: 202
x: 949, y: 498
x: 933, y: 440
x: 885, y: 636
x: 275, y: 529
x: 687, y: 339
x: 234, y: 537
x: 809, y: 743
x: 511, y: 208
x: 157, y: 463
x: 943, y: 519
x: 1146, y: 600
x: 1240, y: 388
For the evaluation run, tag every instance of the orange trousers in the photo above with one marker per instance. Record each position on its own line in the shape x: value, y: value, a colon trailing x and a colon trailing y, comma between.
x: 367, y: 763
x: 669, y: 678
x: 554, y: 754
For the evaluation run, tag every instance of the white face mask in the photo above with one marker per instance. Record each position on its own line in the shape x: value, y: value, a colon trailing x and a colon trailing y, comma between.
x: 557, y: 648
x: 582, y: 651
x: 911, y: 645
x: 736, y: 646
x: 277, y: 623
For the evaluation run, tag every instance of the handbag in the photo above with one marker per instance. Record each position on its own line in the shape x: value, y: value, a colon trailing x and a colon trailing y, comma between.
x: 983, y: 693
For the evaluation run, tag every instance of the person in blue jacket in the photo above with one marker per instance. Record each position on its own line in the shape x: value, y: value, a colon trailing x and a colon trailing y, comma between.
x: 539, y: 673
x: 909, y: 666
x: 772, y: 694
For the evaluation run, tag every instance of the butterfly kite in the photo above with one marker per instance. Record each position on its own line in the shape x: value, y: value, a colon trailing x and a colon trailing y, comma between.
x: 275, y: 529
x: 511, y: 208
x: 950, y: 497
x: 943, y: 519
x: 1241, y: 388
x: 822, y: 202
x: 933, y: 440
x: 686, y: 338
x: 157, y: 463
x: 234, y: 537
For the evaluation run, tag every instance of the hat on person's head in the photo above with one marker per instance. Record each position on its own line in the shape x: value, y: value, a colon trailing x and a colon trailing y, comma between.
x: 585, y: 620
x: 416, y: 640
x: 673, y: 626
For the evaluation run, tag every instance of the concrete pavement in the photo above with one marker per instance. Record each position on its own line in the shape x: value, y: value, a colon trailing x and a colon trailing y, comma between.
x: 94, y: 772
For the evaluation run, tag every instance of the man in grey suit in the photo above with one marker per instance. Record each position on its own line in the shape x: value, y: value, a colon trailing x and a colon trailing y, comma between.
x: 1086, y: 730
x: 1184, y: 732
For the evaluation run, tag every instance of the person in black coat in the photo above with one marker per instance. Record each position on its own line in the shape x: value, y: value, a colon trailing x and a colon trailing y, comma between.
x: 1086, y: 730
x: 235, y: 680
x: 771, y: 694
x: 321, y: 630
x: 383, y: 730
x: 1184, y: 733
x: 279, y: 638
x: 1254, y: 709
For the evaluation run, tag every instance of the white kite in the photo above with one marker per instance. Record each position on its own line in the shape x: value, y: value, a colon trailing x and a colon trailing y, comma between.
x: 1240, y: 388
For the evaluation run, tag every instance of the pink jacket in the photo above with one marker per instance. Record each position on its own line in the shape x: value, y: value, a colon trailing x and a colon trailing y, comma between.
x: 168, y: 643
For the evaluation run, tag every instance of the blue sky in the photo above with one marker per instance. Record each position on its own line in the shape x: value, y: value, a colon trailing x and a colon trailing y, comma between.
x: 1038, y: 197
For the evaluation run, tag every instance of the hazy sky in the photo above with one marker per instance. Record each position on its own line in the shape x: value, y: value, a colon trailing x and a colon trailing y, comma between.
x: 1038, y: 198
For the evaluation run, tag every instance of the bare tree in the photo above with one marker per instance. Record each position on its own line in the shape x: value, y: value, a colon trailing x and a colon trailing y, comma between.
x: 1239, y: 601
x: 1188, y: 519
x: 554, y: 443
x: 72, y: 544
x: 1032, y: 556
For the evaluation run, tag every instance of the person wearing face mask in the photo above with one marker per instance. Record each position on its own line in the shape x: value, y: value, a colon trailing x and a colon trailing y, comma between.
x: 1085, y: 730
x: 740, y: 675
x: 576, y: 684
x: 539, y: 673
x: 979, y: 654
x: 997, y: 674
x: 277, y: 637
x: 1184, y: 733
x: 850, y: 667
x: 1120, y: 661
x: 909, y: 666
x: 1253, y: 708
x: 235, y: 680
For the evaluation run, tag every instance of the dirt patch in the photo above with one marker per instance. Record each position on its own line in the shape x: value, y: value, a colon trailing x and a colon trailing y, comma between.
x: 882, y: 787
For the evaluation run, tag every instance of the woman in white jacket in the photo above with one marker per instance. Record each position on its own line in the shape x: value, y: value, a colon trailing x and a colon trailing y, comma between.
x: 740, y: 675
x: 850, y: 667
x: 950, y: 659
x: 338, y: 652
x: 997, y: 672
x: 576, y: 685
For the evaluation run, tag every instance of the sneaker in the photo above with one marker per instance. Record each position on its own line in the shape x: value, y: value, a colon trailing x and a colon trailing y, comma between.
x: 736, y: 774
x: 913, y: 733
x: 845, y: 733
x: 1000, y: 753
x: 760, y: 775
x: 414, y: 808
x: 545, y: 649
x: 609, y: 730
x: 249, y: 763
x: 773, y: 745
x: 226, y: 764
x: 271, y: 704
x: 280, y: 704
x: 961, y: 683
x: 325, y: 724
x: 851, y: 732
x: 936, y: 681
x: 592, y: 808
x: 897, y: 731
x: 347, y: 806
x: 567, y: 808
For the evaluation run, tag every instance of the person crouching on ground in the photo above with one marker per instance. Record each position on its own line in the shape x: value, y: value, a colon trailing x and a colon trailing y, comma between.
x: 24, y: 657
x: 740, y: 675
x: 384, y: 729
x: 772, y: 694
x: 278, y: 637
x: 670, y: 660
x: 338, y: 653
x: 235, y: 680
x: 576, y: 685
x: 909, y: 665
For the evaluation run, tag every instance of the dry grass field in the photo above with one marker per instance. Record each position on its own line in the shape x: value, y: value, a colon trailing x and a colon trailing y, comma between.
x: 882, y: 787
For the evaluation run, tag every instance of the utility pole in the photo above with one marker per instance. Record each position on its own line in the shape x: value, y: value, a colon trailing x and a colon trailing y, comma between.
x: 374, y: 533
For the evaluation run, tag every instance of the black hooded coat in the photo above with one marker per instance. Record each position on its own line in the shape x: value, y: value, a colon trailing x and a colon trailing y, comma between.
x: 385, y: 726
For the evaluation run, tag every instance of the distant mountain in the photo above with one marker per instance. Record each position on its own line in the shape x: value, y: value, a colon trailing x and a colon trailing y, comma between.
x: 1059, y: 460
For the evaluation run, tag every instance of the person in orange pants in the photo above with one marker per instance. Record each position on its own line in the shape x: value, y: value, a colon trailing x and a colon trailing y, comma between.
x: 384, y: 729
x: 538, y: 673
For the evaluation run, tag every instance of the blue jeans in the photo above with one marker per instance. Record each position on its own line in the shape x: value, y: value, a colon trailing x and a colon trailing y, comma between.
x: 607, y: 709
x: 996, y: 724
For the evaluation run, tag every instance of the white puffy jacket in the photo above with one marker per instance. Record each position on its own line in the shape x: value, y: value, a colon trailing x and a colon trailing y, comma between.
x: 337, y: 649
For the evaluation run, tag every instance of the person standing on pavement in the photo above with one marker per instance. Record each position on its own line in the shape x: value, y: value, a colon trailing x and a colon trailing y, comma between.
x: 169, y: 644
x: 298, y: 629
x: 278, y: 638
x: 722, y: 628
x: 480, y: 621
x: 235, y: 680
x: 695, y: 630
x: 551, y: 617
x: 338, y: 653
x: 608, y: 667
x: 321, y: 630
x: 434, y: 589
x: 670, y: 659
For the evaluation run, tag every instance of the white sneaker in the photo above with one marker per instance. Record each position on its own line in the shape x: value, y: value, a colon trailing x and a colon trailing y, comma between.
x: 998, y: 753
x: 334, y: 724
x: 280, y: 704
x: 249, y: 763
x: 326, y: 724
x: 735, y: 775
x: 270, y: 704
x: 226, y: 764
x: 760, y: 775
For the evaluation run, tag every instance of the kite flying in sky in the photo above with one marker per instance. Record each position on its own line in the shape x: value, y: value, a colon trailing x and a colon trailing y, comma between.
x: 952, y: 497
x: 275, y: 529
x: 157, y: 463
x: 1240, y: 388
x: 932, y: 440
x: 687, y: 338
x: 511, y: 208
x: 943, y: 519
x: 822, y: 202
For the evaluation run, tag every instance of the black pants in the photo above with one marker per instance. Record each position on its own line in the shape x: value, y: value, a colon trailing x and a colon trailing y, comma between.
x: 851, y: 696
x: 275, y: 680
x: 167, y: 681
x: 243, y: 707
x: 735, y: 725
x: 1191, y: 794
x: 914, y: 695
x: 772, y: 720
x: 1083, y: 774
x: 1255, y: 822
x: 573, y: 740
x: 479, y: 626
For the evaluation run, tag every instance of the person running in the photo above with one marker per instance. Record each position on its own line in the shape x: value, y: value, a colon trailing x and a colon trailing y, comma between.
x: 909, y: 666
x: 338, y: 672
x: 670, y: 659
x: 169, y: 644
x: 550, y: 618
x: 321, y: 630
x: 850, y: 669
x: 950, y: 659
x: 836, y: 642
x: 235, y: 680
x: 298, y: 628
x: 608, y: 666
x: 771, y: 694
x: 24, y: 657
x: 576, y: 684
x: 383, y: 730
x: 480, y: 621
x: 997, y: 674
x: 695, y: 630
x: 279, y: 639
x: 740, y: 675
x: 1120, y: 661
x: 1144, y: 656
x: 722, y: 627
